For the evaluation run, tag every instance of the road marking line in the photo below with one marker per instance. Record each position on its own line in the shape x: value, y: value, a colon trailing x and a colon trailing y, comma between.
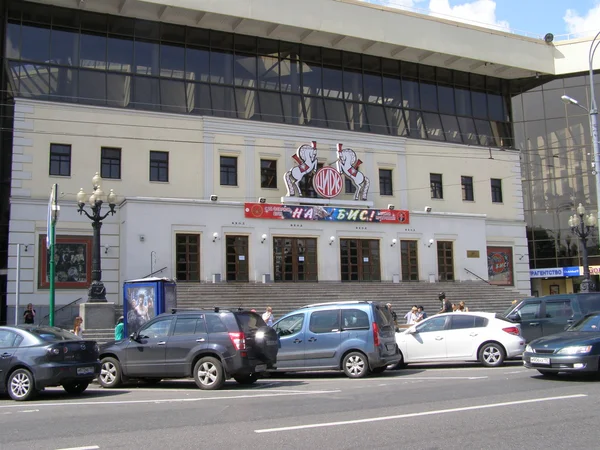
x: 420, y: 414
x: 178, y: 400
x: 91, y: 447
x: 29, y: 410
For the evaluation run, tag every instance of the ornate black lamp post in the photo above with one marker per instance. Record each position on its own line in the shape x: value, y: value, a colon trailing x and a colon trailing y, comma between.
x: 583, y: 226
x: 96, y: 291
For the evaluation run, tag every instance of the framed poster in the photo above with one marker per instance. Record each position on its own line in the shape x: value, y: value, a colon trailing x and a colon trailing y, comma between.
x: 554, y: 289
x: 500, y: 266
x: 73, y: 257
x: 140, y: 306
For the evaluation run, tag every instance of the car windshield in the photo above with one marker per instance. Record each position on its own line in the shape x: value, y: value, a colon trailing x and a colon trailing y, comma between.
x: 588, y: 323
x: 383, y: 317
x: 53, y: 334
x: 250, y: 321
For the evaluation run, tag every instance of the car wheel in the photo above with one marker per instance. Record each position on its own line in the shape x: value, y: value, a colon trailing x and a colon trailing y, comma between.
x: 355, y: 365
x: 379, y: 369
x: 21, y: 385
x: 246, y: 379
x: 76, y: 387
x: 110, y: 373
x: 547, y: 373
x: 492, y: 354
x: 208, y: 373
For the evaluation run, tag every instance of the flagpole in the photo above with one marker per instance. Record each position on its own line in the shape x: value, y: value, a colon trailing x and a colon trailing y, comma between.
x: 53, y: 215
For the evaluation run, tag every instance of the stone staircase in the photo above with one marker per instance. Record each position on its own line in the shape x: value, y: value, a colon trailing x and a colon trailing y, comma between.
x: 286, y: 297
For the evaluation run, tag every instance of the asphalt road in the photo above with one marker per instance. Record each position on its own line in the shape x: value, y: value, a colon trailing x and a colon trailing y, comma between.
x: 422, y: 407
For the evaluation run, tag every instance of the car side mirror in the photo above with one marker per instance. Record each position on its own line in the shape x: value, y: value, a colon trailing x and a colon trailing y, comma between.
x: 514, y: 317
x: 134, y: 337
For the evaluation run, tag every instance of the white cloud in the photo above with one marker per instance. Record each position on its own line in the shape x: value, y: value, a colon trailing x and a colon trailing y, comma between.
x: 478, y: 12
x: 585, y: 24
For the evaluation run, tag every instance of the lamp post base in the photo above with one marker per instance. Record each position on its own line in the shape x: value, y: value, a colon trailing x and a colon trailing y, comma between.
x: 97, y: 292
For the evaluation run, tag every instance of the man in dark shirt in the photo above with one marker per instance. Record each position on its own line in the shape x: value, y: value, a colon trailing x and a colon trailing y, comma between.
x: 29, y: 314
x: 446, y: 305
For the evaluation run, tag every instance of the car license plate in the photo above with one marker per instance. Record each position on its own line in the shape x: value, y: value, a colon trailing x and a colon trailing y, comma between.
x: 260, y: 368
x: 85, y: 371
x: 537, y: 360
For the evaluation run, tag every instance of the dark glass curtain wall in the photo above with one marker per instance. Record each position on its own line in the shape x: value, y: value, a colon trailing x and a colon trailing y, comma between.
x: 75, y: 56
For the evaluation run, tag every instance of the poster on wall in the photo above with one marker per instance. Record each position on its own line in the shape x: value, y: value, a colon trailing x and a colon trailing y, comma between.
x: 140, y: 306
x: 500, y: 266
x: 301, y: 212
x: 73, y: 258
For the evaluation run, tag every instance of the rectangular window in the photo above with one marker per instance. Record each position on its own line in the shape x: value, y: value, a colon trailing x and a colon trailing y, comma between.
x: 467, y: 188
x: 228, y: 171
x: 496, y: 190
x: 268, y: 173
x: 435, y: 180
x: 60, y: 160
x: 385, y: 182
x: 159, y: 166
x: 110, y: 163
x: 349, y: 186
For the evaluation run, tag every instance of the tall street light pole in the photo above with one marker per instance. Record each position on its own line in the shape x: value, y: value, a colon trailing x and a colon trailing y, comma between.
x: 582, y: 227
x: 593, y: 112
x: 96, y: 291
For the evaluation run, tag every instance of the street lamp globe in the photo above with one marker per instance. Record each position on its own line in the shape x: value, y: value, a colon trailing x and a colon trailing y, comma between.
x: 96, y: 180
x: 99, y: 194
x: 591, y: 220
x: 581, y: 210
x: 93, y: 199
x: 81, y: 197
x: 112, y: 197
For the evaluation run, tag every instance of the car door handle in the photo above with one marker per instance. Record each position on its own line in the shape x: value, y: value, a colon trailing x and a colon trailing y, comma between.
x: 570, y: 321
x: 439, y: 338
x: 534, y: 324
x: 297, y: 341
x: 162, y: 343
x: 312, y: 339
x: 6, y: 355
x: 200, y: 340
x: 473, y: 334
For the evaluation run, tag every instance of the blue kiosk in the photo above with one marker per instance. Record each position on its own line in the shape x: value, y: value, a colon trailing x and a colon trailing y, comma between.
x: 146, y: 298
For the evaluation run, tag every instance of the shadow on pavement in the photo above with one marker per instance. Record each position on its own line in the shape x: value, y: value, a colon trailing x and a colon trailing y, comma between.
x: 59, y: 394
x: 230, y: 385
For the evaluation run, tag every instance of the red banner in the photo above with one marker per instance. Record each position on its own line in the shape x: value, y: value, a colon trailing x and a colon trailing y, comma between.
x: 297, y: 212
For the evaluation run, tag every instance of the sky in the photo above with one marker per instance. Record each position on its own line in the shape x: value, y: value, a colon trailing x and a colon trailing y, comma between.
x: 529, y: 17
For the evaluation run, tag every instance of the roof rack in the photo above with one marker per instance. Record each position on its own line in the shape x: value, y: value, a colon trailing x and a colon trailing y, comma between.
x: 343, y: 302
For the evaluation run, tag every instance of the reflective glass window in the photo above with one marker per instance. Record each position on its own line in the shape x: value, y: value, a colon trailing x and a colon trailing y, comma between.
x: 172, y: 61
x: 120, y: 25
x: 533, y: 105
x: 146, y: 93
x: 245, y: 70
x: 293, y: 109
x: 377, y: 122
x: 172, y: 33
x: 428, y: 96
x: 119, y: 54
x: 485, y: 132
x: 433, y: 125
x: 331, y: 57
x: 385, y: 182
x: 467, y: 129
x: 60, y: 160
x: 228, y: 170
x: 268, y: 173
x: 451, y: 129
x: 437, y: 189
x: 267, y: 47
x: 223, y: 101
x: 65, y: 17
x: 467, y: 188
x: 147, y: 29
x: 496, y: 185
x: 92, y: 51
x: 110, y: 162
x: 13, y: 41
x: 118, y: 90
x: 221, y: 67
x: 395, y: 117
x: 446, y: 100
x: 92, y: 87
x: 245, y: 43
x: 198, y: 99
x: 64, y: 48
x: 357, y: 117
x: 392, y: 91
x: 463, y: 102
x: 290, y: 76
x: 332, y: 82
x: 373, y: 88
x: 410, y: 94
x: 270, y: 107
x: 351, y: 61
x: 502, y: 135
x: 315, y: 111
x: 35, y: 43
x: 479, y: 103
x: 312, y: 81
x: 147, y: 56
x: 415, y: 124
x: 173, y: 96
x: 14, y: 78
x: 222, y: 40
x: 159, y: 166
x: 197, y: 64
x: 63, y: 85
x: 93, y: 21
x: 268, y: 72
x: 247, y: 104
x: 336, y: 114
x: 496, y: 107
x: 197, y: 36
x: 353, y: 86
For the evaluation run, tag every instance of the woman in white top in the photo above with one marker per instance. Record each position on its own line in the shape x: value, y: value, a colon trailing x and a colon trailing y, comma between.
x: 77, y: 328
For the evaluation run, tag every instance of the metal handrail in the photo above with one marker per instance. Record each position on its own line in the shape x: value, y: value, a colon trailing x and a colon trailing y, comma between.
x: 60, y: 309
x: 156, y: 271
x: 477, y: 276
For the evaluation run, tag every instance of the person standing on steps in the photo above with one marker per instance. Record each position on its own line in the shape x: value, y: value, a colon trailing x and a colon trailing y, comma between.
x: 268, y: 316
x: 120, y: 329
x: 446, y: 304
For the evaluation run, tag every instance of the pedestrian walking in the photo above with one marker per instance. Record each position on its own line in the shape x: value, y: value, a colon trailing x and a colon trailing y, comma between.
x: 29, y: 314
x: 120, y: 329
x: 77, y: 327
x: 421, y: 314
x: 411, y: 316
x: 268, y: 316
x: 446, y: 305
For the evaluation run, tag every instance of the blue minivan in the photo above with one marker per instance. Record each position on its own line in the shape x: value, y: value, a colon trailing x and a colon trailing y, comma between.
x: 357, y: 337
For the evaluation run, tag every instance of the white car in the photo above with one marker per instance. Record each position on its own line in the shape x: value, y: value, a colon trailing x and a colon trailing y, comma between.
x: 459, y: 336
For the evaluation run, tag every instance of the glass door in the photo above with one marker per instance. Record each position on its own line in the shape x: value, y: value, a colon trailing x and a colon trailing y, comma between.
x: 236, y: 257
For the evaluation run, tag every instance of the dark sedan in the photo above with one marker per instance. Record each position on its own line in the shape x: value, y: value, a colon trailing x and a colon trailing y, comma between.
x: 575, y: 350
x: 35, y: 357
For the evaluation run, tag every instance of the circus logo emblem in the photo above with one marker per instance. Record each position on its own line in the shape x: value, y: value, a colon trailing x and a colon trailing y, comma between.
x: 328, y: 182
x: 306, y: 158
x: 348, y: 164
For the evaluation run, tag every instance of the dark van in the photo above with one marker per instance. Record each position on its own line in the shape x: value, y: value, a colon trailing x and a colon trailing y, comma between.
x: 542, y: 316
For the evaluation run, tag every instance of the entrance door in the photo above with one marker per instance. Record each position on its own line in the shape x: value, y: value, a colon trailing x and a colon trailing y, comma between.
x: 360, y: 260
x: 295, y: 259
x: 187, y: 255
x: 236, y: 255
x: 445, y: 261
x: 409, y: 260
